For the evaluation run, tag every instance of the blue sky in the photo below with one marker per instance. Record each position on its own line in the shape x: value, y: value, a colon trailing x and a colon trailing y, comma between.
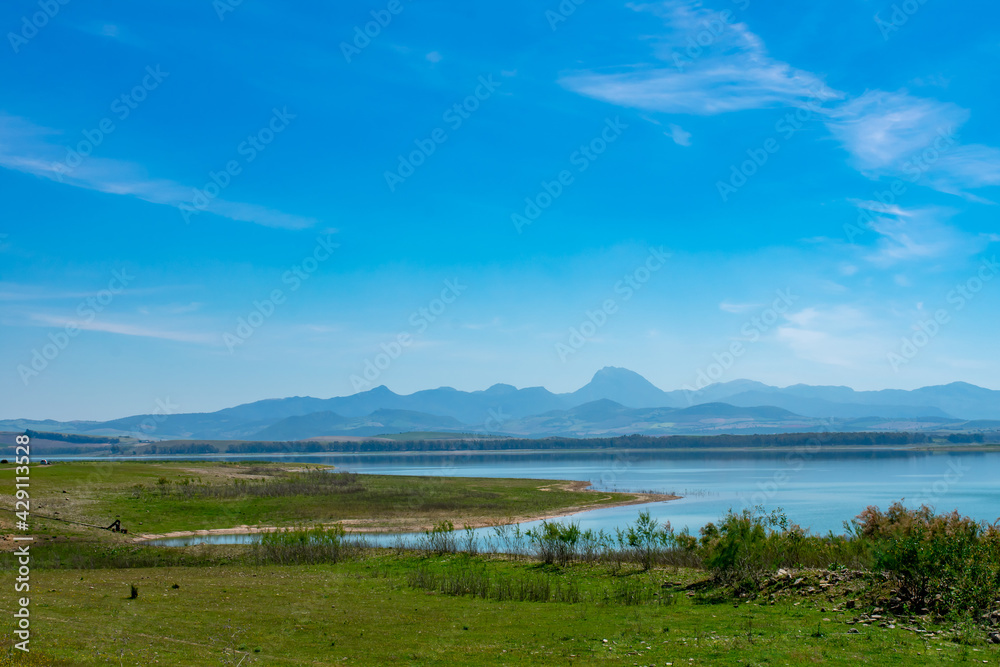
x: 823, y: 178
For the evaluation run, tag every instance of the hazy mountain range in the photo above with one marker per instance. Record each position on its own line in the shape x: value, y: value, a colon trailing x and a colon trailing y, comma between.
x: 616, y: 401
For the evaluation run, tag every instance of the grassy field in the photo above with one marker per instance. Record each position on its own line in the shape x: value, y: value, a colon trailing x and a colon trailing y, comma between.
x: 232, y: 605
x: 369, y: 613
x: 156, y: 498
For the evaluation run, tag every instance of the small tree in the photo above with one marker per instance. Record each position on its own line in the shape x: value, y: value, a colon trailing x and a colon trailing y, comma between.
x: 555, y: 541
x: 742, y: 549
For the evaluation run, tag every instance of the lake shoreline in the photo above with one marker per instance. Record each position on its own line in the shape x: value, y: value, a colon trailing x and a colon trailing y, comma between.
x: 945, y: 448
x: 416, y: 526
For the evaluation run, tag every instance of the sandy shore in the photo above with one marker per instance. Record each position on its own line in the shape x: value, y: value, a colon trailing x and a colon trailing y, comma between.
x: 417, y: 524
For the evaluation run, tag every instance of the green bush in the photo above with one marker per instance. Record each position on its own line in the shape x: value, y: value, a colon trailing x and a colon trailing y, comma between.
x: 943, y: 561
x: 296, y: 546
x: 744, y: 548
x: 441, y: 539
x: 555, y: 542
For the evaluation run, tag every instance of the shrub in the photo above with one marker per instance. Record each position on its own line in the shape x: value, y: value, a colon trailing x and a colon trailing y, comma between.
x: 742, y: 550
x: 648, y: 540
x: 441, y: 539
x: 555, y: 542
x: 294, y: 546
x: 946, y: 561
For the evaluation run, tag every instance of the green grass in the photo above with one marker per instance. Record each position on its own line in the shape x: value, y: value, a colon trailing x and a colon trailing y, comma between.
x: 217, y: 605
x: 163, y: 497
x: 368, y: 613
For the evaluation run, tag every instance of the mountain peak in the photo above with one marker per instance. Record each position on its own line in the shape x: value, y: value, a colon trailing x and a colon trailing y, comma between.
x: 500, y: 388
x: 622, y: 386
x: 616, y: 372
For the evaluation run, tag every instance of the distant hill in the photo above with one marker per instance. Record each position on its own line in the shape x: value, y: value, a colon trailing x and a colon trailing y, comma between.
x: 958, y: 400
x: 605, y: 417
x: 615, y: 401
x: 622, y: 386
x: 378, y: 422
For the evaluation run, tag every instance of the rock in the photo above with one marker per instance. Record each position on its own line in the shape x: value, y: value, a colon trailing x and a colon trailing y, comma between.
x: 854, y: 631
x: 850, y: 604
x: 995, y: 637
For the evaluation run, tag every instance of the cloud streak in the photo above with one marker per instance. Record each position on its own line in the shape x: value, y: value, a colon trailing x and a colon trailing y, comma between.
x: 27, y: 148
x: 732, y: 73
x: 918, y: 234
x: 728, y: 70
x: 122, y: 328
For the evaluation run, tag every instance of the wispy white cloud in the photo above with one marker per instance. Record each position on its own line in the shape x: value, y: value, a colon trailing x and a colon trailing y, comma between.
x: 172, y: 309
x: 679, y: 135
x: 883, y: 130
x: 28, y: 148
x: 115, y: 31
x: 917, y: 234
x: 972, y: 166
x: 732, y: 73
x: 839, y: 335
x: 730, y: 307
x: 122, y: 328
x: 479, y: 326
x: 17, y: 292
x: 885, y: 133
x: 915, y: 138
x: 10, y: 291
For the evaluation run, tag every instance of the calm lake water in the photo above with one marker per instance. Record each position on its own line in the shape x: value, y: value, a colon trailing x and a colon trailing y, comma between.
x: 817, y: 490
